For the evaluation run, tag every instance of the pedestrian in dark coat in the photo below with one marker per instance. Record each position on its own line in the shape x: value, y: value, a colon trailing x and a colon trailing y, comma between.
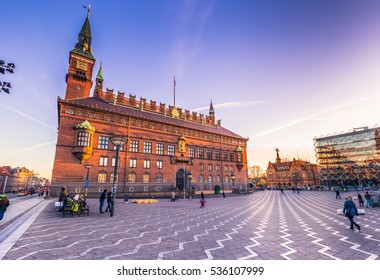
x: 109, y: 201
x: 337, y: 194
x: 102, y: 198
x: 361, y: 201
x: 4, y: 203
x: 350, y: 211
x: 203, y: 203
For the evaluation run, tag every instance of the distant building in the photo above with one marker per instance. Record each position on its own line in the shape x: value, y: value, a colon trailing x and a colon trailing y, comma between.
x: 349, y: 158
x: 165, y: 143
x: 13, y: 179
x: 296, y: 173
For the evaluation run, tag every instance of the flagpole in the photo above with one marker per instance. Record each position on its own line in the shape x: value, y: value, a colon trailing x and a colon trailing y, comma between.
x: 174, y: 91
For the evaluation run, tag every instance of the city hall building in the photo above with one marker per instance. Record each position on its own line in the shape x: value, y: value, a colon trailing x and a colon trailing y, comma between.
x: 349, y: 158
x: 168, y: 148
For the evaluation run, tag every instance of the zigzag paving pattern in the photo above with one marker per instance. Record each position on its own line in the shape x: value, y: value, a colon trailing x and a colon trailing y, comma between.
x: 265, y: 225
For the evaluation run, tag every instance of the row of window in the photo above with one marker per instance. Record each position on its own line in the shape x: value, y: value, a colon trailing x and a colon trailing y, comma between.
x: 146, y: 178
x: 159, y: 164
x: 84, y: 140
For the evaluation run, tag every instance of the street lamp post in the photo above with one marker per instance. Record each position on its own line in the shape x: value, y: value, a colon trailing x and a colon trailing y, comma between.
x: 233, y: 180
x: 189, y: 177
x: 88, y: 167
x: 118, y: 141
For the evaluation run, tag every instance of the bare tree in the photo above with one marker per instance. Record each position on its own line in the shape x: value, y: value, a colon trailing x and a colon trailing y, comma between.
x: 255, y: 172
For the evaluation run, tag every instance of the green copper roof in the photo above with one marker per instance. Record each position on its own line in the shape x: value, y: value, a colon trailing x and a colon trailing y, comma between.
x: 100, y: 73
x: 85, y: 125
x: 238, y: 149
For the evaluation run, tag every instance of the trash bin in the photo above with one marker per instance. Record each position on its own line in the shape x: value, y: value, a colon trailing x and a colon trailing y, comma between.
x: 126, y: 197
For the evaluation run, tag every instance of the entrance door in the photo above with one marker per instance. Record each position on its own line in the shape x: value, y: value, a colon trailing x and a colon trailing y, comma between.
x: 180, y: 179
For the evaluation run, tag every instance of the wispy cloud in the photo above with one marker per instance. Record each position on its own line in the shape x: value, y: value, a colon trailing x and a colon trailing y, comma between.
x: 35, y: 147
x: 188, y: 34
x: 313, y: 116
x: 231, y: 105
x: 28, y: 116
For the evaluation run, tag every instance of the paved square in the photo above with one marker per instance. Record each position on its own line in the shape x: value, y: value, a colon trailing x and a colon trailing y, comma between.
x: 265, y: 225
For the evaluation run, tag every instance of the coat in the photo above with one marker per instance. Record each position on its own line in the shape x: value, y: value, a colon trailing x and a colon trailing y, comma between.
x: 349, y: 208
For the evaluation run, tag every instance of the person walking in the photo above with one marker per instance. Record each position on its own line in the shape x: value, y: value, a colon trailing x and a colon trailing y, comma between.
x: 337, y: 194
x: 173, y: 197
x: 62, y: 195
x: 4, y: 203
x: 109, y: 201
x: 102, y: 198
x: 350, y: 211
x: 367, y: 197
x: 224, y: 195
x: 203, y: 202
x: 361, y: 201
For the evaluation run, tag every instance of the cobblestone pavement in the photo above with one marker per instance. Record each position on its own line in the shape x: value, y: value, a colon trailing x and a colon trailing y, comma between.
x: 265, y: 225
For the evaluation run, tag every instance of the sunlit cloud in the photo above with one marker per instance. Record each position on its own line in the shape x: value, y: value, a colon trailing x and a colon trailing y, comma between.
x: 28, y: 116
x: 314, y: 116
x: 231, y: 105
x: 35, y: 147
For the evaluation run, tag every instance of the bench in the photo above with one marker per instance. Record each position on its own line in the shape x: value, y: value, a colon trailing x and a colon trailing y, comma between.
x: 71, y: 206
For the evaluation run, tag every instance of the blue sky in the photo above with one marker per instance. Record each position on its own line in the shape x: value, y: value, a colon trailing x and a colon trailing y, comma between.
x: 278, y: 72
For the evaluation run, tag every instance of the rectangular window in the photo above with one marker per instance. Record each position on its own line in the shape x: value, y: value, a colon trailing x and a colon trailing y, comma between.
x: 134, y: 146
x: 103, y: 161
x: 159, y: 164
x: 217, y: 168
x: 147, y: 147
x: 146, y: 163
x: 171, y: 150
x: 84, y: 139
x: 217, y: 155
x: 201, y: 153
x: 159, y: 149
x: 103, y: 142
x: 201, y: 167
x: 226, y: 168
x: 191, y: 152
x: 132, y: 163
x: 114, y: 161
x: 225, y: 156
x: 231, y: 157
x: 121, y: 148
x: 209, y: 154
x: 209, y: 167
x: 231, y: 168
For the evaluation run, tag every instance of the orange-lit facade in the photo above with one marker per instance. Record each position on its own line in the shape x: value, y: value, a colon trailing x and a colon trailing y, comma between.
x: 288, y: 174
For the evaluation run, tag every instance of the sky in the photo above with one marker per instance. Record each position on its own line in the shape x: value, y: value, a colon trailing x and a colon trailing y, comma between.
x: 278, y: 72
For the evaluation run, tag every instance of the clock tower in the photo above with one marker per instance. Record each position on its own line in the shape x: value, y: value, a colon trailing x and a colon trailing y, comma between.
x: 81, y: 64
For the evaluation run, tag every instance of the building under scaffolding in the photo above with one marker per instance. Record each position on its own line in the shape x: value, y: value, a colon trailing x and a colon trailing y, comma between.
x: 349, y: 159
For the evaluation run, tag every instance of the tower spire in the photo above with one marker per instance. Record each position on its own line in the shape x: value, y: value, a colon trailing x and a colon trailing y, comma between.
x: 278, y: 159
x: 211, y: 111
x: 83, y: 46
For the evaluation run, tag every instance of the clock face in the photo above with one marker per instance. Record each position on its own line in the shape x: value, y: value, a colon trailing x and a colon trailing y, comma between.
x: 81, y: 65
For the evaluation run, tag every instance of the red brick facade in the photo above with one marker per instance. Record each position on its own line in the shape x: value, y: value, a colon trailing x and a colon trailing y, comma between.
x: 163, y: 141
x: 288, y: 174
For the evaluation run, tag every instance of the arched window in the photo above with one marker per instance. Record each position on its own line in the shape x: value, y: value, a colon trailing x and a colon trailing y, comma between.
x: 102, y: 177
x: 201, y: 178
x: 117, y: 177
x: 209, y: 178
x: 226, y: 179
x: 146, y: 177
x: 217, y: 179
x: 158, y: 178
x: 132, y: 177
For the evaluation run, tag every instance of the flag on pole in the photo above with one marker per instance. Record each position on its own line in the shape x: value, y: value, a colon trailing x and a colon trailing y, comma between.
x: 174, y: 90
